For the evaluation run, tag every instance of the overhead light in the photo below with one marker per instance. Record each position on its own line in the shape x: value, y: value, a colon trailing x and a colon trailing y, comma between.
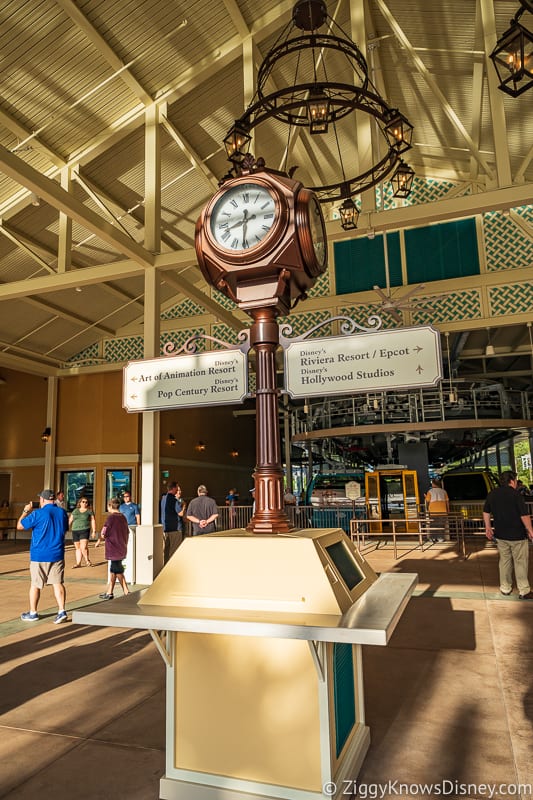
x: 237, y: 142
x: 349, y: 214
x: 311, y: 99
x: 171, y: 441
x: 200, y: 447
x: 402, y: 180
x: 513, y: 56
x: 234, y: 453
x: 35, y: 200
x: 398, y: 131
x: 46, y: 435
x: 318, y: 111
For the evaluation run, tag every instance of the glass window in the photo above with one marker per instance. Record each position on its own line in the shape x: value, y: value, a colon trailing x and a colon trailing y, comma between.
x: 76, y: 485
x: 117, y: 481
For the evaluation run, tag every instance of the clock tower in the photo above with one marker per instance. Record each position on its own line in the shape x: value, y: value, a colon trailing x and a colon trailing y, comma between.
x: 261, y: 240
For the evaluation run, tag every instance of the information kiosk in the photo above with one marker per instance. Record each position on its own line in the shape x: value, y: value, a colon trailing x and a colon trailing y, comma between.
x: 262, y: 639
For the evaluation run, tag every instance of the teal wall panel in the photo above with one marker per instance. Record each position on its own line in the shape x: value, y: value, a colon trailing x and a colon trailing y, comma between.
x: 343, y: 693
x: 440, y: 252
x: 360, y: 263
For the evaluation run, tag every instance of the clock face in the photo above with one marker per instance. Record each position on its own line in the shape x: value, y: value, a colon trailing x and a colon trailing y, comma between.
x: 316, y: 224
x: 243, y: 216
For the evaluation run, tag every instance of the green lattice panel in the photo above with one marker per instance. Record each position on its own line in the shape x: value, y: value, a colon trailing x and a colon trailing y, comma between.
x: 87, y: 355
x: 187, y: 308
x: 178, y: 338
x: 526, y: 212
x: 301, y: 323
x: 322, y: 287
x: 507, y: 246
x: 361, y: 313
x: 127, y: 348
x: 425, y: 190
x: 515, y: 298
x: 223, y: 301
x: 450, y: 308
x: 225, y: 333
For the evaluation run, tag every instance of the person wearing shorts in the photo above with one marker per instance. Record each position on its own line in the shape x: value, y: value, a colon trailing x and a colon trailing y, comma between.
x: 48, y: 524
x: 83, y: 527
x: 115, y: 534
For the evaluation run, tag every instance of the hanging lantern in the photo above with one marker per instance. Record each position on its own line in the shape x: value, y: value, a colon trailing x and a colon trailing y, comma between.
x: 513, y: 59
x: 349, y: 214
x: 402, y: 180
x: 237, y: 142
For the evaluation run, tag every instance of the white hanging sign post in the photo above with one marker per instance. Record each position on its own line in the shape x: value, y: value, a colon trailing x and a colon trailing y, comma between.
x: 377, y: 361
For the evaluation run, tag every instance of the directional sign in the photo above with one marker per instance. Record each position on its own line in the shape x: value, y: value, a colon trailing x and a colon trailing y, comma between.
x: 210, y: 379
x: 376, y: 361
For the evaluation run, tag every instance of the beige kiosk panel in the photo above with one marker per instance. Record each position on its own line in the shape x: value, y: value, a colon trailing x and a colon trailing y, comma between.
x: 247, y: 708
x: 249, y: 572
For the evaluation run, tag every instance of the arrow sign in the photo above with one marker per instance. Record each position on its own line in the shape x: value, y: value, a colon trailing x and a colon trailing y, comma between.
x: 376, y: 361
x: 210, y: 379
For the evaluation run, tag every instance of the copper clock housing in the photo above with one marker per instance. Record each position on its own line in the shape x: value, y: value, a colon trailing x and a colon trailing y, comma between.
x: 278, y: 270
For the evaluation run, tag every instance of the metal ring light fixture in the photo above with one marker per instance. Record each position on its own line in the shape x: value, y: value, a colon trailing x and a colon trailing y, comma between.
x: 320, y: 101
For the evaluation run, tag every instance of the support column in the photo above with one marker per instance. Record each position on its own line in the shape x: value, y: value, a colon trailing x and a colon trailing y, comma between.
x: 50, y: 446
x: 270, y: 516
x: 149, y: 534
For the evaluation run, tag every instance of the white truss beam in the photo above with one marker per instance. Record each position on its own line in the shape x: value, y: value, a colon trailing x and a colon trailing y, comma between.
x: 433, y: 86
x: 107, y: 52
x: 58, y: 198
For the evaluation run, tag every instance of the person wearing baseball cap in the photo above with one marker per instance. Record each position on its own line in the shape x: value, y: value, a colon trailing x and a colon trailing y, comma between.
x: 48, y: 524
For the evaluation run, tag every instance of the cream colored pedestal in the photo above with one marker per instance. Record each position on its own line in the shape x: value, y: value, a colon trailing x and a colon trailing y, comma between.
x: 264, y: 665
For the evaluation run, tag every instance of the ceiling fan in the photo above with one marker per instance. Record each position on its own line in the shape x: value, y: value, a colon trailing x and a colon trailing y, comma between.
x: 394, y: 304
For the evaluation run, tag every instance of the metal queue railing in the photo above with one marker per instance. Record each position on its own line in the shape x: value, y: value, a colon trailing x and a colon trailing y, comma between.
x: 411, y: 534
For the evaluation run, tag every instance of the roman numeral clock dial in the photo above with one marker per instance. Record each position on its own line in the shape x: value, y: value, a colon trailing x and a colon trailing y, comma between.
x: 243, y: 217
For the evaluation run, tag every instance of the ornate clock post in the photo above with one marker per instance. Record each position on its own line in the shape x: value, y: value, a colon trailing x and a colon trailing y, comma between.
x: 269, y: 516
x: 261, y: 241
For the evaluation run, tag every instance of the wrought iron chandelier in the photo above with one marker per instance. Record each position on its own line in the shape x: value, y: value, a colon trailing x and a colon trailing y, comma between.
x: 513, y: 55
x: 317, y: 96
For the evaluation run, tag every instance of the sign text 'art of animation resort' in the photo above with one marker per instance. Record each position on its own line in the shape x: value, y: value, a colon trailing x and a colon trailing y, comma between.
x: 214, y: 378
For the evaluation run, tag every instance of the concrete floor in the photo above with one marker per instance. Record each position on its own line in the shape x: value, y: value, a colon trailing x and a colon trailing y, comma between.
x: 449, y: 701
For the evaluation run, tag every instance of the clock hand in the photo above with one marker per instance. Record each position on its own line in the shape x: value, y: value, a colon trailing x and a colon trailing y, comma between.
x: 244, y: 226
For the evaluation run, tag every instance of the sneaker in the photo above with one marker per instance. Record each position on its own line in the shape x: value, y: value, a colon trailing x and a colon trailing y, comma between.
x: 506, y: 594
x: 61, y: 617
x: 106, y: 596
x: 29, y: 616
x: 528, y: 596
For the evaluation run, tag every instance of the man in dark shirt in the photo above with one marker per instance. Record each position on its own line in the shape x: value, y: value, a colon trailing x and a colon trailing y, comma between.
x: 512, y: 532
x: 203, y: 513
x: 172, y: 510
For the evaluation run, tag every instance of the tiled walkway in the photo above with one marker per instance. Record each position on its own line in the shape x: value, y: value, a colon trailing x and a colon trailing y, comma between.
x: 449, y: 701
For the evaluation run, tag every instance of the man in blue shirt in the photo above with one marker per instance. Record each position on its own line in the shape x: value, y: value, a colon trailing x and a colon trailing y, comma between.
x: 49, y: 523
x: 131, y: 510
